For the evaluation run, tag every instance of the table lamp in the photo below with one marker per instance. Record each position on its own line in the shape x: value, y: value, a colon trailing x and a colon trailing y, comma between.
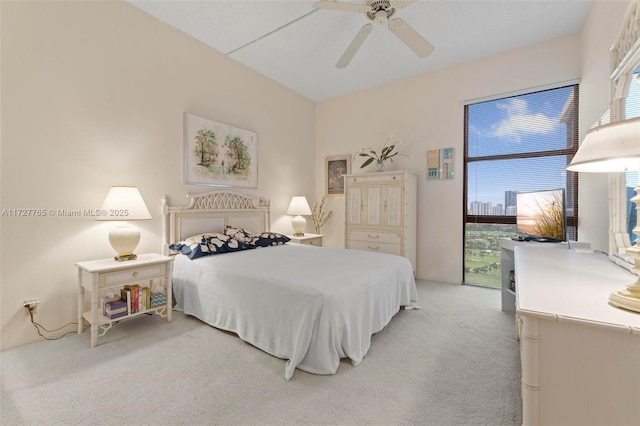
x: 299, y: 207
x: 615, y: 147
x: 124, y: 204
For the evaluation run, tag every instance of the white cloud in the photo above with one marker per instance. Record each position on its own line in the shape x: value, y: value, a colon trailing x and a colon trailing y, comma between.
x: 521, y: 122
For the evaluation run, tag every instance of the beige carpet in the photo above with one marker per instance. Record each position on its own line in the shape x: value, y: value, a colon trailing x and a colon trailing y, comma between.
x: 454, y: 362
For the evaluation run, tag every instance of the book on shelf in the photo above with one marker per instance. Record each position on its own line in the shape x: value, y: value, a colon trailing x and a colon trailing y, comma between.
x: 116, y: 308
x: 145, y: 301
x: 125, y: 294
x: 110, y: 314
x: 115, y: 304
x: 117, y: 315
x: 138, y: 299
x: 105, y: 300
x: 134, y: 297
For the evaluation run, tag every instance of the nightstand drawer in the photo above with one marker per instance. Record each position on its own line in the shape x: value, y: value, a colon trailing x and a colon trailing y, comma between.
x: 375, y: 247
x: 307, y: 239
x: 130, y: 275
x: 375, y: 236
x: 316, y: 241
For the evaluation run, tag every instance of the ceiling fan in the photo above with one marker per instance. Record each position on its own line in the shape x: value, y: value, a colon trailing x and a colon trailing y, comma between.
x: 379, y: 11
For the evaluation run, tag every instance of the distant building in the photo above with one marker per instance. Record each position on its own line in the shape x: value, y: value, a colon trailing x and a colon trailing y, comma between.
x: 510, y: 203
x: 485, y: 208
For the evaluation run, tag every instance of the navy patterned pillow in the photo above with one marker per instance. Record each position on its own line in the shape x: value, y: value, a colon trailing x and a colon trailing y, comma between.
x: 207, y: 245
x: 267, y: 239
x: 239, y: 234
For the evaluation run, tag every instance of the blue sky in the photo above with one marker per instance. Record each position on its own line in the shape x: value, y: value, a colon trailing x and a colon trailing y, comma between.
x: 512, y: 125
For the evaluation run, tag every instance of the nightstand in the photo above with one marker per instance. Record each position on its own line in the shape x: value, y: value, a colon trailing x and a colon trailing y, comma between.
x: 308, y: 239
x: 99, y: 277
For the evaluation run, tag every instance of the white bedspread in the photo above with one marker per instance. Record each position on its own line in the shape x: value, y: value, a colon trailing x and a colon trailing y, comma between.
x: 309, y: 305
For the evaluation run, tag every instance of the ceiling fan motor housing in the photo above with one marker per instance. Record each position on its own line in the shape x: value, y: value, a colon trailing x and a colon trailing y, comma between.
x: 380, y: 11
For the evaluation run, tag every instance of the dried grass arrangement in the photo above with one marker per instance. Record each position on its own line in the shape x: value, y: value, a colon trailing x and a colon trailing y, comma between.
x: 319, y: 217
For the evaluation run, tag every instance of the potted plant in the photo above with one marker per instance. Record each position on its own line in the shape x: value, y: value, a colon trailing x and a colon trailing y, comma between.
x: 387, y: 153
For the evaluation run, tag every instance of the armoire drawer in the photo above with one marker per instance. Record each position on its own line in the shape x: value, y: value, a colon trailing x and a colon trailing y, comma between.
x: 375, y: 247
x: 375, y: 236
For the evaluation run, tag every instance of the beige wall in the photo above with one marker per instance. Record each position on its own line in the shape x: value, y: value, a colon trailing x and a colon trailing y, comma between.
x: 93, y: 95
x: 427, y: 111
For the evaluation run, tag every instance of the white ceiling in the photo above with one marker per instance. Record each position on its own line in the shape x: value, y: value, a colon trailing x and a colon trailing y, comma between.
x: 302, y: 54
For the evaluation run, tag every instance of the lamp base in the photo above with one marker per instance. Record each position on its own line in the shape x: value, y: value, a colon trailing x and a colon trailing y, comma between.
x: 626, y: 300
x: 124, y: 239
x: 125, y: 257
x: 298, y: 224
x: 630, y: 298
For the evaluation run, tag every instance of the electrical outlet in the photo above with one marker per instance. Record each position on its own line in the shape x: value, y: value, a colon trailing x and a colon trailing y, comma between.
x: 31, y: 303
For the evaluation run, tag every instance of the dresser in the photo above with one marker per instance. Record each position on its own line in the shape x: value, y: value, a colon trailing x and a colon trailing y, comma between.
x: 580, y: 356
x: 507, y: 265
x: 381, y: 213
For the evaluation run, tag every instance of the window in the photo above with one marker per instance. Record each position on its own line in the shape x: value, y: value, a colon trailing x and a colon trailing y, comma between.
x: 632, y: 110
x: 516, y: 144
x: 625, y: 103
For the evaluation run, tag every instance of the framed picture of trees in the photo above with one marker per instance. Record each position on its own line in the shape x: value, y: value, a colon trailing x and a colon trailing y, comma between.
x: 216, y: 154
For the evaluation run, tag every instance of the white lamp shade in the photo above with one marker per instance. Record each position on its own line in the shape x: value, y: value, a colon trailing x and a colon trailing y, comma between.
x: 299, y: 206
x: 124, y: 203
x: 613, y: 147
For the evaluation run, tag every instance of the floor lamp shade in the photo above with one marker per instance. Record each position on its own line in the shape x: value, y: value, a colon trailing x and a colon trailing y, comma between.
x: 615, y: 147
x: 299, y: 207
x: 124, y: 204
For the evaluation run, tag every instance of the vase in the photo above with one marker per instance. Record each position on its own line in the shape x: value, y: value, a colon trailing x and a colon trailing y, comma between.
x: 379, y: 166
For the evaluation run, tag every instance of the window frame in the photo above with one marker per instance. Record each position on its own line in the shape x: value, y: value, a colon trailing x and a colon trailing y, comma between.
x: 571, y: 221
x: 625, y: 58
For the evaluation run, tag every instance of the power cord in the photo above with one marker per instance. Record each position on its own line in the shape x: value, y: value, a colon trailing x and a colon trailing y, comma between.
x: 39, y: 328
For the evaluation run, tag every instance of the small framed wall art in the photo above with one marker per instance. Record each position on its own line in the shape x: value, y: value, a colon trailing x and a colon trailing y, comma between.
x: 216, y: 154
x: 335, y: 168
x: 440, y: 165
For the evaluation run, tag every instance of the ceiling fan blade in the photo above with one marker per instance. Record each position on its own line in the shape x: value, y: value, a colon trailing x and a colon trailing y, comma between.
x: 400, y: 4
x: 411, y: 38
x: 354, y: 46
x: 345, y: 7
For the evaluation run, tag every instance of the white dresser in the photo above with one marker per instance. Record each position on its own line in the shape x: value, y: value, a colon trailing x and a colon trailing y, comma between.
x: 381, y: 211
x: 507, y: 264
x: 580, y: 356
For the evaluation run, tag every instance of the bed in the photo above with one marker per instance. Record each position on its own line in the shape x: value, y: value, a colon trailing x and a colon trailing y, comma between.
x: 308, y: 305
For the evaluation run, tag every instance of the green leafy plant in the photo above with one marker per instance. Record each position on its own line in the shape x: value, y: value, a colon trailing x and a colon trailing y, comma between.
x: 388, y: 151
x: 319, y: 217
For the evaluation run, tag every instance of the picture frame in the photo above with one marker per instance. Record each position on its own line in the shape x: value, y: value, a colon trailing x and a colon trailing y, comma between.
x: 335, y: 168
x: 440, y: 164
x: 217, y: 154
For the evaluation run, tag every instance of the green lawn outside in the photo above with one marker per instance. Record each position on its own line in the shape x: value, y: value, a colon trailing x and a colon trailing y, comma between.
x: 482, y: 253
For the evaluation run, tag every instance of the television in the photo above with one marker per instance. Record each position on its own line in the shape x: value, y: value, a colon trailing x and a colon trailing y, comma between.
x: 541, y: 216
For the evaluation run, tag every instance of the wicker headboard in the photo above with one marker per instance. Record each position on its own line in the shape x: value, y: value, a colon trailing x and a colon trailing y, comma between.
x: 209, y: 212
